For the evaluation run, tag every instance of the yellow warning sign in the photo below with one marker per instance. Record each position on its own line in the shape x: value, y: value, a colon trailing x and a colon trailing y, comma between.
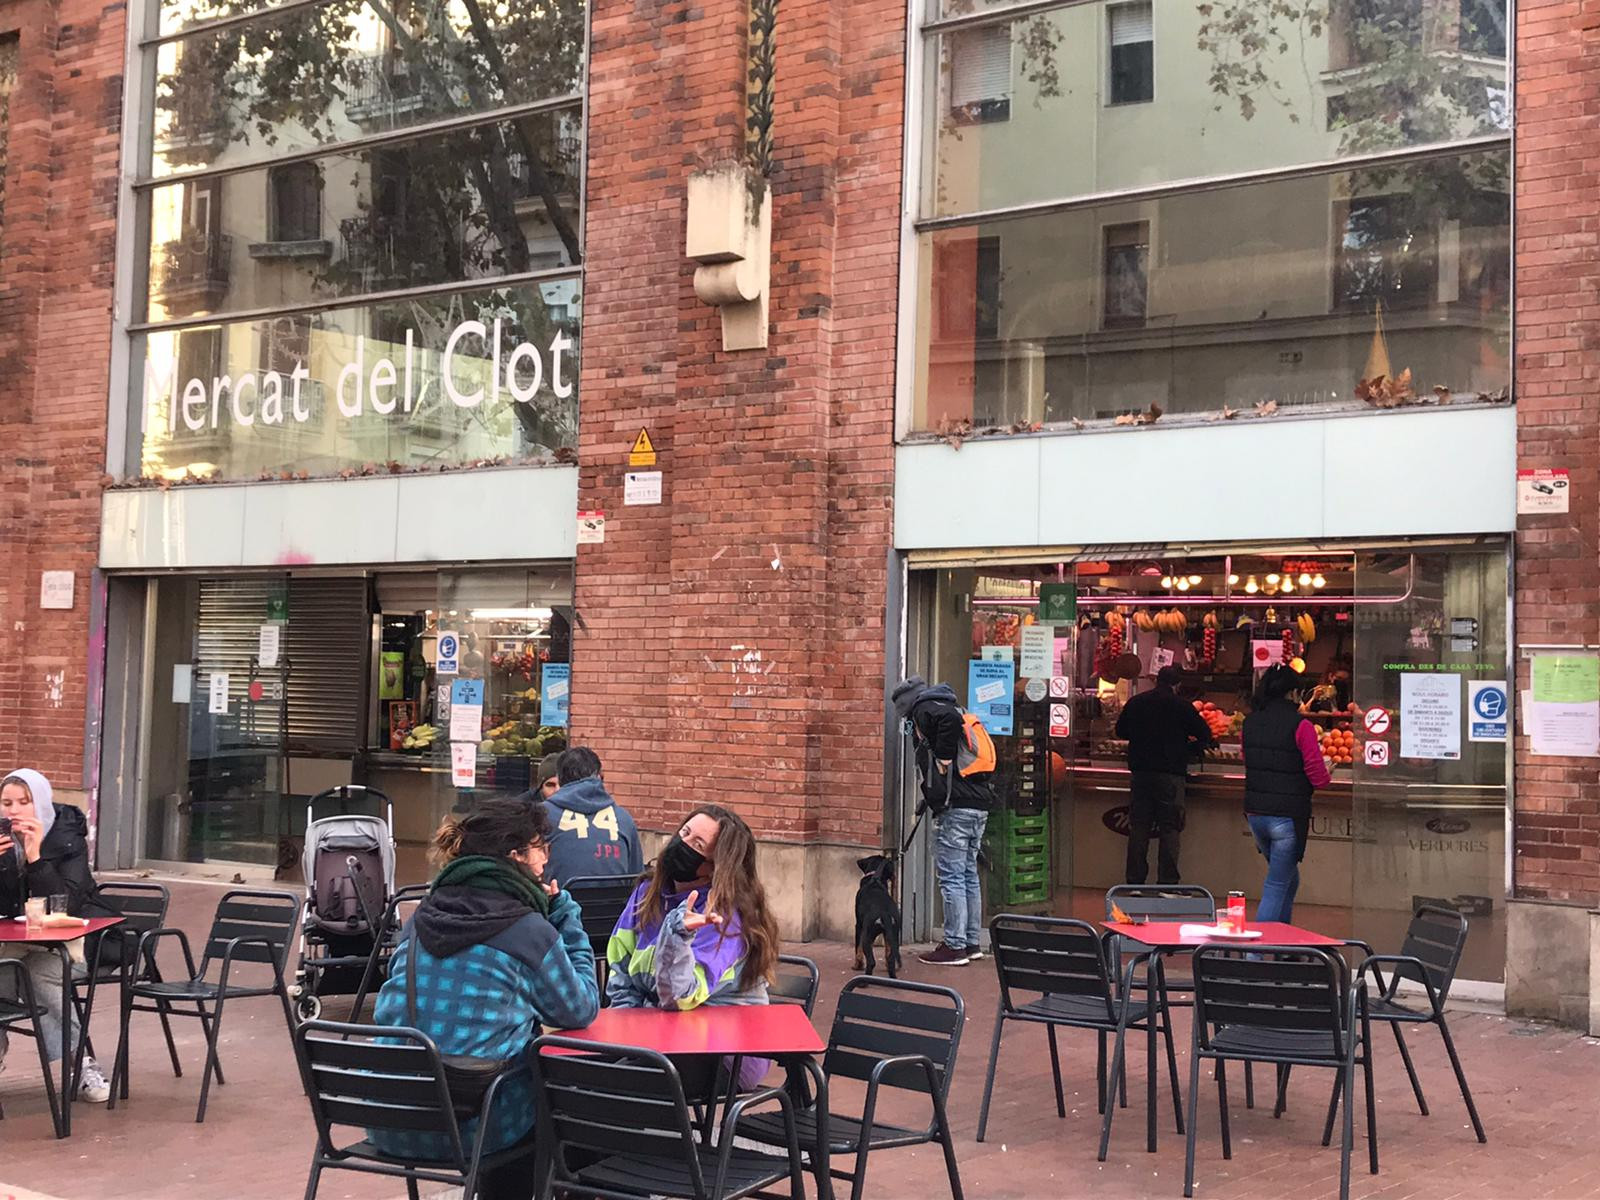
x: 643, y: 453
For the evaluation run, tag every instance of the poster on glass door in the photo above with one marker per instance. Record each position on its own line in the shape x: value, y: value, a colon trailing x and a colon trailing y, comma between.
x: 1430, y: 716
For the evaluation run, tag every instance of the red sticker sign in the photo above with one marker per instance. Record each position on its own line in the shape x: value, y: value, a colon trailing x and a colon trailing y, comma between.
x: 256, y: 690
x: 1376, y: 720
x: 1060, y: 720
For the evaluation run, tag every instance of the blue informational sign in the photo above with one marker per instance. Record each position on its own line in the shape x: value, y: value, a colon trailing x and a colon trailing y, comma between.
x: 449, y: 658
x: 1489, y: 717
x: 991, y: 689
x: 466, y: 691
x: 555, y: 688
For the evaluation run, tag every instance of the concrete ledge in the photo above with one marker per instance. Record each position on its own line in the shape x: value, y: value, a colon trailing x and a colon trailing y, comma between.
x: 1549, y: 951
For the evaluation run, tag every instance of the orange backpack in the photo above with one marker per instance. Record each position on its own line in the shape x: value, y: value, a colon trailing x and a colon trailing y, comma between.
x: 976, y: 755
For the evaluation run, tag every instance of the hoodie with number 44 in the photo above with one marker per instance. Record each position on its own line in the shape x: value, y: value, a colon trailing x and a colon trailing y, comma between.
x: 593, y: 834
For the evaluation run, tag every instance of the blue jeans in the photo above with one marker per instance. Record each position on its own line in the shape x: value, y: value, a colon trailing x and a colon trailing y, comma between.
x: 958, y: 836
x: 1276, y: 840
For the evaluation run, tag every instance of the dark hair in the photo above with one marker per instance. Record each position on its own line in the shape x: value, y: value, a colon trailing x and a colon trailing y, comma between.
x: 1276, y: 683
x: 1169, y: 676
x: 494, y: 828
x: 734, y: 886
x: 579, y: 762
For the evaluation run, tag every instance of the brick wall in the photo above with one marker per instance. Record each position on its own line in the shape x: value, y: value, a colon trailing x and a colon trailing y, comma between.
x: 56, y: 262
x: 1557, y: 258
x: 731, y: 640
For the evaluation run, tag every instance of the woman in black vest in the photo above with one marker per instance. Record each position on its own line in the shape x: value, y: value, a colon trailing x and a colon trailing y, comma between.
x: 1283, y: 765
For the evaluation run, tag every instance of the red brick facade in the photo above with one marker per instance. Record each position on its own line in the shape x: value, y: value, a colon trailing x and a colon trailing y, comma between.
x: 1557, y: 262
x: 731, y: 640
x: 57, y: 241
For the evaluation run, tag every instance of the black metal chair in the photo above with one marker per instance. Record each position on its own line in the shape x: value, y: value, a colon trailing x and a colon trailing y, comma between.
x: 602, y: 898
x: 385, y: 937
x: 1069, y: 964
x: 622, y: 1110
x: 250, y: 926
x: 887, y: 1033
x: 1286, y: 1006
x: 143, y: 907
x: 396, y: 1084
x: 1429, y: 956
x: 798, y: 985
x: 18, y: 1007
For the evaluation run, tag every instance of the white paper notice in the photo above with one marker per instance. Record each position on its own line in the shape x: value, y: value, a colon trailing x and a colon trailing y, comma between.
x: 219, y: 692
x: 1038, y: 651
x: 182, y: 682
x: 464, y: 764
x: 466, y: 723
x: 1430, y: 715
x: 1568, y: 730
x: 55, y: 589
x: 988, y: 692
x: 591, y: 528
x: 267, y: 647
x: 641, y: 487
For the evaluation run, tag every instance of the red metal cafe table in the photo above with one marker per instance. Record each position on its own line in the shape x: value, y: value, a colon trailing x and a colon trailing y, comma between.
x: 781, y: 1032
x: 58, y: 938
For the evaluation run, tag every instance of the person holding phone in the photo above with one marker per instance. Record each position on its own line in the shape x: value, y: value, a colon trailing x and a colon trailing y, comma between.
x: 44, y: 852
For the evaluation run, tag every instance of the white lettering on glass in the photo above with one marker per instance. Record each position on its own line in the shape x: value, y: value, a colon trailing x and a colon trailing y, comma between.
x: 447, y: 366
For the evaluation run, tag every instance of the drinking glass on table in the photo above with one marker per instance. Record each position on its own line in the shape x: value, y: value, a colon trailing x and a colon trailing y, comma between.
x: 35, y: 909
x: 58, y: 903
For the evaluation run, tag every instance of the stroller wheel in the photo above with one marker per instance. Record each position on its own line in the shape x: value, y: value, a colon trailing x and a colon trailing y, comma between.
x: 308, y: 1007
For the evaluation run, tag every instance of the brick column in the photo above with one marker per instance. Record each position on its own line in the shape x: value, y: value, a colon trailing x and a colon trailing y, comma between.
x: 1557, y: 262
x: 730, y: 646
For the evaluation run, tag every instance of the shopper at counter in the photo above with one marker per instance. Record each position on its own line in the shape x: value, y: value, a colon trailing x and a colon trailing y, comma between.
x: 1283, y: 766
x: 1163, y: 732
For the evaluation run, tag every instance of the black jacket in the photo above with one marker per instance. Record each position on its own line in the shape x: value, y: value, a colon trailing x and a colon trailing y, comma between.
x: 937, y: 735
x: 62, y: 869
x: 1163, y: 731
x: 1275, y: 782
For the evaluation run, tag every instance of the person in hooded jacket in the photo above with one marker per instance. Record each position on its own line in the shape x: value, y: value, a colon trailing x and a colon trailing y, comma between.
x: 496, y: 951
x: 46, y: 854
x: 960, y: 807
x: 592, y: 833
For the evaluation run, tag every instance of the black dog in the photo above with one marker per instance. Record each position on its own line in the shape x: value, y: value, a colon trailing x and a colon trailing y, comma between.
x: 877, y: 915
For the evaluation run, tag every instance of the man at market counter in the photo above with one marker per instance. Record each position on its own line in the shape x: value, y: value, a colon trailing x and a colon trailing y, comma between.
x: 1163, y: 732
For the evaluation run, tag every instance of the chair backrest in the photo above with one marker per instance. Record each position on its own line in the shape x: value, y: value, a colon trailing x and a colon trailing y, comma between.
x: 1436, y: 937
x: 1162, y: 902
x: 797, y: 985
x: 884, y: 1018
x: 612, y: 1100
x: 143, y: 907
x: 253, y: 913
x: 1054, y: 955
x: 1288, y: 988
x: 602, y: 898
x: 397, y: 1083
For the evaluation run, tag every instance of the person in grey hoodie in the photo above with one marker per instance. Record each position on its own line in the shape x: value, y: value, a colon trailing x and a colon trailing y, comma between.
x: 594, y: 835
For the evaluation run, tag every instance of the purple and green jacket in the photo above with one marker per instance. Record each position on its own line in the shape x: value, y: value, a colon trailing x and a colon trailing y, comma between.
x: 660, y: 965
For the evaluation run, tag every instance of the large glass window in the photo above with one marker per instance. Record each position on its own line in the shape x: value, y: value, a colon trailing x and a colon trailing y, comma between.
x: 326, y: 295
x: 1289, y: 292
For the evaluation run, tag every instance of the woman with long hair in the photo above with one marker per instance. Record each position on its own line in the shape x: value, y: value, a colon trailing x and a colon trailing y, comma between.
x: 1283, y: 766
x: 495, y: 930
x: 697, y: 930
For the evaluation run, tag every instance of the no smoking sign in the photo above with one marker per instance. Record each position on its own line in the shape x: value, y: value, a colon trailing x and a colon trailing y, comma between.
x: 1060, y: 720
x: 1376, y: 721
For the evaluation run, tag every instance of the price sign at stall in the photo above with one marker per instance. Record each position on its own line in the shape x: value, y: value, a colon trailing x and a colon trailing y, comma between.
x: 1060, y: 720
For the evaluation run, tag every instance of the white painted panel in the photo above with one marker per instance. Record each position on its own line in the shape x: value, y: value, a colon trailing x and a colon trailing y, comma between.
x: 470, y: 515
x: 1184, y: 484
x: 985, y: 494
x: 1425, y: 472
x: 1365, y: 475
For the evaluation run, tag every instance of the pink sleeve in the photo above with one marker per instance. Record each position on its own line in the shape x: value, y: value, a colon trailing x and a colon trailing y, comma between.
x: 1311, y: 751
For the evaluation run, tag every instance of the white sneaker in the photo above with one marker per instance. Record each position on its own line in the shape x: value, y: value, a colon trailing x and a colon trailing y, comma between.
x: 92, y: 1085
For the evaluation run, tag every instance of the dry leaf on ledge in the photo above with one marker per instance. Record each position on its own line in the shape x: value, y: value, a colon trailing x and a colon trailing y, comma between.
x: 1267, y: 408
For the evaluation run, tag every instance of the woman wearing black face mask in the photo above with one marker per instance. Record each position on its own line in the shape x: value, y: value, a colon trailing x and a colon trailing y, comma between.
x: 698, y: 929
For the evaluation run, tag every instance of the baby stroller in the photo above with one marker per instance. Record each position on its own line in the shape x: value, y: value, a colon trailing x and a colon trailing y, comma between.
x: 349, y: 872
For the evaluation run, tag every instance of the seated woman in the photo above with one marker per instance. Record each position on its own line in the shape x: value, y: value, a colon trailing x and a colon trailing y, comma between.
x: 494, y: 930
x: 46, y: 854
x: 698, y: 930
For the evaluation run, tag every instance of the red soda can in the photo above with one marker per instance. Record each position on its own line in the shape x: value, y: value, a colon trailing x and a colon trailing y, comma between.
x: 1236, y: 911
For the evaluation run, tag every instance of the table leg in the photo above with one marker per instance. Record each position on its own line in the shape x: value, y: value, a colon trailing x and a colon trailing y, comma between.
x: 67, y: 1078
x: 821, y: 1164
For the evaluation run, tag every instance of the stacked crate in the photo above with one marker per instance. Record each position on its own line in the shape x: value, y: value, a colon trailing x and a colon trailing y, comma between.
x: 1022, y: 855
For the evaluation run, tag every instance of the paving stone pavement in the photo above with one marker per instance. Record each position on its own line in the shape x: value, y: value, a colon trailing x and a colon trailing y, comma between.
x: 1537, y: 1087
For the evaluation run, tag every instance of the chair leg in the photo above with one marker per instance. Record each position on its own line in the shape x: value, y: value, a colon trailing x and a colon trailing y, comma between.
x: 1461, y: 1078
x: 948, y: 1144
x: 1100, y: 1072
x: 1122, y: 1083
x: 1249, y: 1085
x: 1283, y: 1093
x: 1150, y: 1080
x: 858, y: 1181
x: 213, y: 1029
x: 1222, y: 1105
x: 1372, y: 1111
x: 988, y: 1083
x: 1333, y: 1108
x: 119, y: 1061
x: 411, y: 1188
x: 1194, y: 1112
x: 1411, y: 1070
x: 205, y: 1024
x: 50, y: 1092
x: 163, y: 1010
x: 1172, y: 1071
x: 1055, y: 1070
x: 316, y: 1174
x: 1119, y: 1069
x: 1348, y: 1141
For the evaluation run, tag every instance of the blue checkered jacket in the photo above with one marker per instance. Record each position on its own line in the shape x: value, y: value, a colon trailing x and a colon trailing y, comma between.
x: 488, y: 1001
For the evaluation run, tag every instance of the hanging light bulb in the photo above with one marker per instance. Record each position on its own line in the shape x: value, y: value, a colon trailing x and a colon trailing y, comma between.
x: 1194, y: 579
x: 1272, y: 579
x: 1233, y: 581
x: 1305, y: 579
x: 1288, y: 585
x: 1252, y: 587
x: 1166, y: 581
x: 1318, y: 581
x: 1183, y: 585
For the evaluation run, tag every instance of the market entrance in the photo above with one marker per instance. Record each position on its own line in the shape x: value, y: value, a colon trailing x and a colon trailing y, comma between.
x: 1398, y: 644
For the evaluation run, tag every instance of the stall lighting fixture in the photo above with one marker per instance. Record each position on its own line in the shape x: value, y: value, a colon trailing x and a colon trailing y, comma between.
x: 1194, y: 579
x: 1183, y: 585
x: 1252, y: 587
x: 1288, y: 585
x: 1166, y: 581
x: 1318, y: 581
x: 1272, y: 579
x: 1233, y: 581
x: 511, y: 614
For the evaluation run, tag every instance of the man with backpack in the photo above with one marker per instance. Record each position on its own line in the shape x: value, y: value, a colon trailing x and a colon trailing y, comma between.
x: 954, y: 757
